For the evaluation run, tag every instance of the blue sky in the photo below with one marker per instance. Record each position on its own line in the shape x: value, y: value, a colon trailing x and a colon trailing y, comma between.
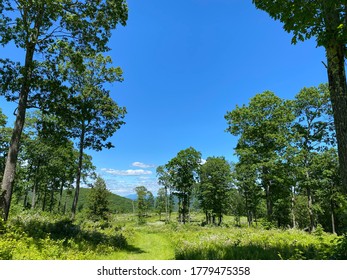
x: 186, y: 63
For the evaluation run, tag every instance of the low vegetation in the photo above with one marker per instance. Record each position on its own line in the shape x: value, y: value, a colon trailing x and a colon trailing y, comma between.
x: 34, y: 236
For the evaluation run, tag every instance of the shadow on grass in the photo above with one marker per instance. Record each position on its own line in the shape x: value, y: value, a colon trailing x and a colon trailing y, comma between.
x: 251, y: 252
x: 68, y: 232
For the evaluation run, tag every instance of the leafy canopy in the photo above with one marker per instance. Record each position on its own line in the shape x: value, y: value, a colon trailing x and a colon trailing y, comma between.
x: 323, y: 19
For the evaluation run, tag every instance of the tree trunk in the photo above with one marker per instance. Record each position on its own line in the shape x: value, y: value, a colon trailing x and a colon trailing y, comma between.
x: 13, y: 151
x: 25, y: 203
x: 36, y: 182
x: 61, y: 193
x: 310, y: 210
x: 44, y: 200
x: 220, y: 219
x: 166, y: 206
x: 332, y: 216
x: 51, y: 202
x: 65, y: 203
x: 268, y: 201
x: 184, y: 208
x: 33, y: 197
x: 335, y: 54
x: 79, y: 172
x: 293, y: 208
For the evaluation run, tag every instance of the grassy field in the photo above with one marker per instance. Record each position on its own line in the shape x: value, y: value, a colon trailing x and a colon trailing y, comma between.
x: 37, y: 236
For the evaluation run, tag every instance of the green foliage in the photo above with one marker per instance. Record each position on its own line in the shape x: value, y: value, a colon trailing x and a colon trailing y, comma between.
x: 286, y: 156
x: 264, y: 129
x: 326, y: 21
x: 142, y: 203
x: 213, y: 188
x: 46, y: 236
x: 160, y: 202
x: 43, y: 236
x: 165, y: 180
x: 305, y: 19
x: 48, y: 32
x: 117, y: 204
x: 252, y: 244
x: 340, y: 252
x: 183, y: 173
x: 4, y: 141
x: 98, y: 202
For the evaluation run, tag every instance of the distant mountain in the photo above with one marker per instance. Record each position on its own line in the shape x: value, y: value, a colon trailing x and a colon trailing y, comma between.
x: 132, y: 196
x: 117, y: 204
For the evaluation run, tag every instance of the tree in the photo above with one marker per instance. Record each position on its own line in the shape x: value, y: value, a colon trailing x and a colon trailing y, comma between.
x: 160, y: 202
x: 4, y: 140
x: 263, y: 127
x: 215, y: 178
x: 236, y: 206
x: 98, y: 206
x: 90, y: 113
x: 313, y: 133
x: 164, y: 180
x: 183, y: 171
x: 141, y: 193
x: 325, y: 20
x: 245, y: 179
x: 43, y: 29
x: 150, y: 202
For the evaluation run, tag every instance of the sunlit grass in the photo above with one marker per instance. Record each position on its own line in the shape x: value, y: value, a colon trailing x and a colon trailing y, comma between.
x: 37, y: 236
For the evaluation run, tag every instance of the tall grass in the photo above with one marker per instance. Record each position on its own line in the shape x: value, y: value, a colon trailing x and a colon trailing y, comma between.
x: 45, y: 236
x: 252, y: 244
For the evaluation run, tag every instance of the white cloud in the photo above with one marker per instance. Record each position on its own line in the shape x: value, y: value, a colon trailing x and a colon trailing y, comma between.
x: 142, y: 165
x: 203, y: 161
x: 129, y: 172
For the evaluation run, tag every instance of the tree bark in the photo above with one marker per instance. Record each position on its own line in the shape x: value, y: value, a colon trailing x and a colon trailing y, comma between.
x: 62, y: 183
x: 335, y: 54
x: 51, y: 202
x: 310, y: 210
x: 11, y: 161
x: 332, y: 216
x: 44, y: 200
x: 166, y: 206
x: 292, y: 208
x: 79, y: 172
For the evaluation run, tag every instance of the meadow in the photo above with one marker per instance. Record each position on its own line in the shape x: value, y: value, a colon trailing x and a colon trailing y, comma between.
x: 34, y: 236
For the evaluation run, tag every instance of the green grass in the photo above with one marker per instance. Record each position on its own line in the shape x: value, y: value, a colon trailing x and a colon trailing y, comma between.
x: 44, y: 236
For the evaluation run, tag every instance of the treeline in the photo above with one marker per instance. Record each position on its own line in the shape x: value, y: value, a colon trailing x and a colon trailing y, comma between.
x: 287, y: 171
x: 63, y: 74
x: 47, y: 167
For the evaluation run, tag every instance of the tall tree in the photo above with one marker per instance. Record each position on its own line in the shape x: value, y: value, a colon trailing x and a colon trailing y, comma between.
x: 164, y: 180
x: 183, y: 171
x: 160, y: 202
x: 313, y: 132
x: 42, y: 29
x: 141, y: 193
x: 214, y: 185
x: 263, y: 127
x: 245, y: 178
x: 326, y: 20
x: 91, y: 115
x: 330, y: 203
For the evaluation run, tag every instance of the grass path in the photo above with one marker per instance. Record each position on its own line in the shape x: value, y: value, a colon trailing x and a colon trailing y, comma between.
x: 146, y: 246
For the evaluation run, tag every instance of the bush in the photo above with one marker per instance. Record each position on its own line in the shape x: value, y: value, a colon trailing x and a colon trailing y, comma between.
x: 43, y: 236
x: 340, y: 250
